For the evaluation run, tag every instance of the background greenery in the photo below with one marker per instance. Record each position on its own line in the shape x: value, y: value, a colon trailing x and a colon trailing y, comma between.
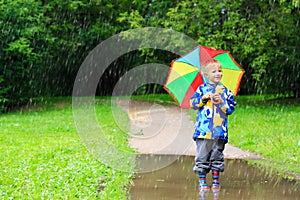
x: 43, y: 43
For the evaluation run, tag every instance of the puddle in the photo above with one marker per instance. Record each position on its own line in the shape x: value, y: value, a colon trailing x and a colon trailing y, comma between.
x: 240, y: 181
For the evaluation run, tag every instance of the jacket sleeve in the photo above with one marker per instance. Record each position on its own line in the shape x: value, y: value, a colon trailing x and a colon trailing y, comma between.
x: 229, y: 104
x: 196, y: 101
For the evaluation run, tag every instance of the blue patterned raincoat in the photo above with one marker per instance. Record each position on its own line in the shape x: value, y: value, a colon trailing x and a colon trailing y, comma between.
x: 211, y: 121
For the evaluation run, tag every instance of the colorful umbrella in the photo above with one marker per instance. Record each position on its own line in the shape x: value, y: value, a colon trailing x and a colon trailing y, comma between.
x: 185, y: 76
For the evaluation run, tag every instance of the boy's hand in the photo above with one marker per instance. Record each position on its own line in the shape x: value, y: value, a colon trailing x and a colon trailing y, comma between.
x: 216, y: 98
x: 207, y: 96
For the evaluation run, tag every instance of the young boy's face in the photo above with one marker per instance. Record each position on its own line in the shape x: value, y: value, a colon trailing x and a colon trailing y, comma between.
x: 214, y: 74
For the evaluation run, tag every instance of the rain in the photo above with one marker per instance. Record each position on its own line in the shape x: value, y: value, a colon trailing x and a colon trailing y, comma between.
x: 65, y: 59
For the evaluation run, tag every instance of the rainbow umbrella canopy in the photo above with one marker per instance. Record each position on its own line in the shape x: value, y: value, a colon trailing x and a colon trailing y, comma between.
x: 185, y: 77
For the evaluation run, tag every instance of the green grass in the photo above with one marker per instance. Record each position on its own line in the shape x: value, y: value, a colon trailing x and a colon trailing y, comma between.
x: 42, y: 156
x: 269, y: 127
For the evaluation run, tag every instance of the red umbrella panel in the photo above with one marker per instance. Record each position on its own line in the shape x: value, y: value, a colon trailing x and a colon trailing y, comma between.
x: 185, y: 77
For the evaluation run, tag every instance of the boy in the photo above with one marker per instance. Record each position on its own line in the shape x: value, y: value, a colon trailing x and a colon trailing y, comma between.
x: 214, y: 103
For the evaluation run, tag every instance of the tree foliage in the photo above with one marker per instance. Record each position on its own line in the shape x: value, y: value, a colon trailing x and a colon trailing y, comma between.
x: 44, y: 42
x: 262, y: 36
x: 21, y: 24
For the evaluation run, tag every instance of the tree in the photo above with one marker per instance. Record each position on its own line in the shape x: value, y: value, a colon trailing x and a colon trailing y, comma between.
x: 43, y: 43
x: 262, y: 36
x: 21, y: 22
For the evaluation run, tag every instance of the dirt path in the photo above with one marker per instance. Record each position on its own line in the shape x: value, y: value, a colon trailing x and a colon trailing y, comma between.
x: 157, y: 129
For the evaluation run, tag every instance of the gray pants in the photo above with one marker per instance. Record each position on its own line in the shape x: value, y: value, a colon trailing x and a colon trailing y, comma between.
x: 209, y: 156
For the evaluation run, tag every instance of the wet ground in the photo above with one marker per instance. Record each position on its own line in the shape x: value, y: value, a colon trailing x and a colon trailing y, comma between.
x: 162, y: 136
x: 158, y: 129
x: 240, y: 181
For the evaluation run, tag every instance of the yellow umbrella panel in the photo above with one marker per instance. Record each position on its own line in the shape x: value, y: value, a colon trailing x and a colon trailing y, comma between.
x: 180, y: 79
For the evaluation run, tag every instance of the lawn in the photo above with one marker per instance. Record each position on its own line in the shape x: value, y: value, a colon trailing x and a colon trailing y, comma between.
x: 269, y: 127
x: 42, y: 156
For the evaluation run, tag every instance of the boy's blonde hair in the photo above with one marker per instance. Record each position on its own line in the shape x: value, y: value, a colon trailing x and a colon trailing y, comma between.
x: 208, y: 65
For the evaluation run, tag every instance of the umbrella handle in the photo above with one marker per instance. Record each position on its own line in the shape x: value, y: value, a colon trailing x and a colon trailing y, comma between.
x: 215, y: 100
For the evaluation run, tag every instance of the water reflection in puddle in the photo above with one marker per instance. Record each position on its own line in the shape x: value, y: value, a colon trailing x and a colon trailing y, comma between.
x: 239, y: 181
